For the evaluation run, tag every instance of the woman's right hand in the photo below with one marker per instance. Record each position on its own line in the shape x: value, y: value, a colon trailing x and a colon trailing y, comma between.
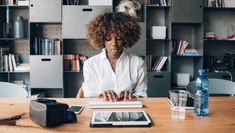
x: 109, y: 95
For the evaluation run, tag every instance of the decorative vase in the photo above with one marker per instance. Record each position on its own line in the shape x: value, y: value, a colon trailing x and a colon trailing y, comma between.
x: 18, y: 27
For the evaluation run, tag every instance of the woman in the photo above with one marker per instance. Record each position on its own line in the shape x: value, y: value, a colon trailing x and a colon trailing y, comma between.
x: 114, y: 74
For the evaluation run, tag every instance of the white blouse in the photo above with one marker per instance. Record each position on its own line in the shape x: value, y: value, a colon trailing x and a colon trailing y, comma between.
x: 130, y: 75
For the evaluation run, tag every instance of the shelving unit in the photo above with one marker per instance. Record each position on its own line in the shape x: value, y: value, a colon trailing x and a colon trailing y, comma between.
x: 186, y: 25
x: 158, y: 81
x: 220, y: 21
x: 19, y: 46
x: 187, y: 21
x: 46, y: 71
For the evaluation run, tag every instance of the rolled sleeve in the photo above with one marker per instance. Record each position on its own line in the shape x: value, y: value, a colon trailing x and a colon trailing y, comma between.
x: 141, y: 87
x: 89, y: 84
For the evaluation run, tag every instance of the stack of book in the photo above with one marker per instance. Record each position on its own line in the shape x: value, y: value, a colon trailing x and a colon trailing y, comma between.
x: 74, y: 62
x: 46, y: 46
x: 181, y: 47
x: 159, y: 63
x: 11, y: 62
x: 156, y: 63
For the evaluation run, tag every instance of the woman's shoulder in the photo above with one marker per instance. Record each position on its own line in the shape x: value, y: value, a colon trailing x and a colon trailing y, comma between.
x: 93, y: 60
x: 136, y: 58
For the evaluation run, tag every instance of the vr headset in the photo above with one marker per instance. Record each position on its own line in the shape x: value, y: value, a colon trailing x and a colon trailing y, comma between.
x: 49, y: 113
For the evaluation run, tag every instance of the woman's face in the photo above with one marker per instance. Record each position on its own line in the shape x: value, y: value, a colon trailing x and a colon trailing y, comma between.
x: 114, y: 45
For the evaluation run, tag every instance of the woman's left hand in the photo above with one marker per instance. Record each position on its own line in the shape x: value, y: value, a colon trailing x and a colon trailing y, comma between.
x: 125, y: 96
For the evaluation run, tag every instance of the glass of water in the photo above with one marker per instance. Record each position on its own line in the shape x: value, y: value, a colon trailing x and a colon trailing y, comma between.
x: 179, y: 100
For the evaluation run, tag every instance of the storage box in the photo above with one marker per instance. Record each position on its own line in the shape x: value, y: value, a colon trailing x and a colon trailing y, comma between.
x: 181, y: 79
x: 159, y: 32
x: 46, y: 71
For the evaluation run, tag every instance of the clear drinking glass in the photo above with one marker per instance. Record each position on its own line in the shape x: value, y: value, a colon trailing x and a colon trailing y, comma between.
x: 179, y: 100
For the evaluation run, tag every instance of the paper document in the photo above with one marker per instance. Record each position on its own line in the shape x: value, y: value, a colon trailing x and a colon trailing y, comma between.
x: 132, y: 104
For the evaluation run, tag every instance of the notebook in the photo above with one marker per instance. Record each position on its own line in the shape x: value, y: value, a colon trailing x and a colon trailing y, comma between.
x: 131, y: 104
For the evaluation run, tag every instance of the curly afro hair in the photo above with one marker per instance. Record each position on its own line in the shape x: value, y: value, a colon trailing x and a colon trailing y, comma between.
x: 125, y: 26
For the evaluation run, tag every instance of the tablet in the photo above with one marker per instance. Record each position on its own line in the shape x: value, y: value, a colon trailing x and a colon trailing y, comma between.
x: 120, y: 119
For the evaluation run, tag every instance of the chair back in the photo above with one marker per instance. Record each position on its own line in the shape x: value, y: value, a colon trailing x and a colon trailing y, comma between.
x: 191, y: 89
x: 216, y: 86
x: 10, y: 90
x: 221, y: 86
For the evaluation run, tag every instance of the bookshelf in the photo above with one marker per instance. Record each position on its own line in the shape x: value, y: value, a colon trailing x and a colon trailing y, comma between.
x: 157, y: 49
x: 183, y: 22
x: 187, y: 25
x: 15, y: 46
x: 219, y: 21
x: 46, y: 59
x: 188, y: 21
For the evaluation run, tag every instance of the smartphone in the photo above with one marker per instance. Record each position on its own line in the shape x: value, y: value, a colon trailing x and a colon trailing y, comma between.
x: 77, y: 109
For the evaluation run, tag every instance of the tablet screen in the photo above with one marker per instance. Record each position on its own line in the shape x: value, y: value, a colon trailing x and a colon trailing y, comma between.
x: 119, y: 116
x: 137, y: 118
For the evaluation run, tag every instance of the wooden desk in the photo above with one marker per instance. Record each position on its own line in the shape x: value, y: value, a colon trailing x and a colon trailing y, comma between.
x: 220, y: 120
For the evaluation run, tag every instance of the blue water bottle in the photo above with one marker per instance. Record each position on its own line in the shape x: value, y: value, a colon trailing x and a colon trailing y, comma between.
x: 201, y: 107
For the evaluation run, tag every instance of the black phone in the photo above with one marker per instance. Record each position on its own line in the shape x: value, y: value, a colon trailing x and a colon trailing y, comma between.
x: 77, y: 109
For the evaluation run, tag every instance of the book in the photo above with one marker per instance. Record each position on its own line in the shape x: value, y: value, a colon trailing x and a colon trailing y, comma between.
x: 6, y: 63
x: 75, y: 65
x: 57, y: 46
x: 179, y: 46
x: 157, y: 62
x: 183, y: 46
x: 161, y: 3
x: 161, y: 64
x: 51, y: 47
x: 35, y: 50
x: 13, y: 62
x: 164, y: 2
x: 10, y: 63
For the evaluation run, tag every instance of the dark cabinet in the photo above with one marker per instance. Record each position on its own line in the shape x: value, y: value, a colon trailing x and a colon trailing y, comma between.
x: 158, y: 84
x: 187, y: 11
